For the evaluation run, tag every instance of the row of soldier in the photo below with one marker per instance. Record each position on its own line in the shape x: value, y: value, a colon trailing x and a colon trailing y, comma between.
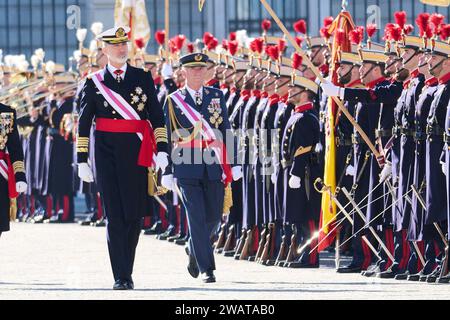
x: 396, y: 92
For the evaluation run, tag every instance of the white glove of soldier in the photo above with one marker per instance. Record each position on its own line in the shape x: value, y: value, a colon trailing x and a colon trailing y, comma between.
x: 166, y: 71
x: 21, y: 186
x: 386, y: 172
x: 162, y: 161
x: 350, y: 171
x: 167, y: 181
x: 237, y: 173
x: 318, y: 148
x: 273, y: 178
x: 85, y: 172
x: 444, y: 168
x: 295, y: 182
x: 330, y: 89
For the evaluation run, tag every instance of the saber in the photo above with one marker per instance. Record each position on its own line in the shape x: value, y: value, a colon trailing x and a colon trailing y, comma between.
x: 376, y: 217
x: 161, y: 203
x: 371, y: 229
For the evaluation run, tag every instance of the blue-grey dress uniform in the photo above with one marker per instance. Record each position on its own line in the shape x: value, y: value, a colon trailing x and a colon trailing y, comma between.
x: 123, y: 184
x: 11, y: 161
x: 199, y: 179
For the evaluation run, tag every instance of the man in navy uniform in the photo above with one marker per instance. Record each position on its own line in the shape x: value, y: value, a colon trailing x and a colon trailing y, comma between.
x: 197, y: 122
x: 130, y: 128
x: 12, y: 169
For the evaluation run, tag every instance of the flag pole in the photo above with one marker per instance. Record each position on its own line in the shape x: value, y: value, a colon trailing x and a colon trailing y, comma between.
x: 316, y: 71
x: 167, y: 22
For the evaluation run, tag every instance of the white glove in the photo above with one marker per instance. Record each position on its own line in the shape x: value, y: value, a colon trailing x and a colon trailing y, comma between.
x: 167, y: 181
x: 386, y: 172
x: 318, y: 148
x: 85, y: 172
x: 273, y: 178
x: 237, y: 173
x: 166, y: 71
x: 350, y: 171
x: 21, y: 186
x: 162, y: 161
x: 295, y: 182
x: 330, y: 89
x: 444, y: 168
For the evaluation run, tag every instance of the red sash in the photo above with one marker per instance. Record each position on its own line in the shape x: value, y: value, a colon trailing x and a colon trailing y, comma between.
x: 143, y: 127
x: 11, y: 177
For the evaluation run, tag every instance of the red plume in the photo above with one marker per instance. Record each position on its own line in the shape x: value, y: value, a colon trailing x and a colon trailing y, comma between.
x: 340, y: 37
x: 274, y: 52
x: 266, y: 24
x: 436, y: 20
x: 371, y: 29
x: 422, y: 22
x: 324, y: 33
x: 445, y: 32
x: 387, y: 31
x: 328, y: 21
x: 355, y: 36
x: 232, y: 36
x: 190, y: 47
x: 207, y: 37
x: 225, y: 44
x: 281, y: 45
x: 400, y: 18
x: 233, y: 47
x: 212, y: 44
x: 160, y: 37
x: 299, y: 41
x: 179, y: 41
x: 173, y: 46
x: 140, y: 43
x: 257, y: 45
x: 408, y: 29
x: 297, y: 60
x: 300, y: 26
x: 396, y: 33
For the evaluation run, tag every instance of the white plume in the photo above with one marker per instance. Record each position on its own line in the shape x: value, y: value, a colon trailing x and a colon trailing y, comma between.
x: 241, y: 37
x: 81, y: 35
x: 23, y: 66
x: 93, y: 45
x: 50, y: 67
x: 77, y: 55
x: 35, y: 61
x: 40, y: 53
x: 97, y: 28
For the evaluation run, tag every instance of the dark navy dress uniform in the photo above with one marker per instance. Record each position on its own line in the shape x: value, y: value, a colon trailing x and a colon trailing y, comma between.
x: 123, y: 184
x: 9, y: 143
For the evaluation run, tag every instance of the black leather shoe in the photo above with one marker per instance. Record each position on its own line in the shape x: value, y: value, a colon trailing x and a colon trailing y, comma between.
x: 208, y: 277
x: 182, y: 241
x: 403, y: 276
x: 129, y: 284
x: 443, y: 279
x: 120, y: 285
x: 352, y: 268
x: 388, y: 274
x: 168, y: 233
x: 155, y: 229
x: 302, y: 265
x: 192, y: 266
x: 175, y: 237
x: 415, y: 277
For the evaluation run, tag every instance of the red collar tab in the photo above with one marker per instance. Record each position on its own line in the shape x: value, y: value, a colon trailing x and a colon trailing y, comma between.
x: 372, y: 84
x: 304, y: 107
x: 415, y: 73
x: 264, y: 95
x: 274, y: 99
x: 256, y: 93
x: 444, y: 79
x: 353, y: 83
x: 211, y: 82
x: 431, y: 82
x: 233, y: 90
x: 224, y: 86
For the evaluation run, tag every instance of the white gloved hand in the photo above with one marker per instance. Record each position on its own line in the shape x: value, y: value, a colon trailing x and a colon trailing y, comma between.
x: 273, y: 178
x: 166, y: 71
x: 21, y: 186
x: 167, y: 181
x: 85, y: 172
x: 162, y: 161
x: 330, y: 89
x: 386, y: 172
x: 350, y: 171
x: 237, y: 173
x: 318, y: 148
x: 295, y: 182
x: 444, y: 168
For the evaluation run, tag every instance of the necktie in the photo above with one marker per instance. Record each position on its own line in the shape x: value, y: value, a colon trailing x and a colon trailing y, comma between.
x: 118, y: 74
x: 198, y: 99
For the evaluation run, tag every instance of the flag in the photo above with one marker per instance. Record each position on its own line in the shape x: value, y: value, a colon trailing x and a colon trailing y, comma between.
x: 440, y: 3
x: 132, y: 13
x: 343, y: 22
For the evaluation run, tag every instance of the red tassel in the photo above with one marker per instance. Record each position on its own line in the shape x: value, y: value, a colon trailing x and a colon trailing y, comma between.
x: 400, y: 18
x: 300, y: 26
x: 160, y: 37
x: 266, y: 24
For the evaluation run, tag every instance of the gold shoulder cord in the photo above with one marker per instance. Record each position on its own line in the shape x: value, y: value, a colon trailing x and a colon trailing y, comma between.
x: 176, y: 125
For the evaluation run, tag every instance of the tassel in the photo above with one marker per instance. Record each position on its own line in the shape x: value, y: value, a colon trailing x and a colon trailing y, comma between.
x: 13, y: 209
x: 228, y: 200
x: 151, y: 182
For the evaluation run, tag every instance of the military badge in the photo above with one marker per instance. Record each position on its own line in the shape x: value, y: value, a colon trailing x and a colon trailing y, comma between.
x: 215, y: 110
x: 139, y: 98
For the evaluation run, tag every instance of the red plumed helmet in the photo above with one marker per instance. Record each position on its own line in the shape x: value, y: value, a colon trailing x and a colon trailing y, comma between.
x: 160, y: 36
x: 281, y: 45
x: 190, y: 47
x: 140, y: 43
x: 179, y: 41
x: 400, y: 18
x: 212, y: 44
x: 207, y: 37
x: 422, y: 22
x: 371, y: 29
x: 232, y: 36
x: 300, y: 26
x: 297, y: 60
x: 436, y: 21
x: 328, y: 21
x: 266, y: 24
x: 233, y: 47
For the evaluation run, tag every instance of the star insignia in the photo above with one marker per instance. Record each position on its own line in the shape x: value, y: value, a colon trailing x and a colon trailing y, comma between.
x: 141, y: 106
x: 139, y: 90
